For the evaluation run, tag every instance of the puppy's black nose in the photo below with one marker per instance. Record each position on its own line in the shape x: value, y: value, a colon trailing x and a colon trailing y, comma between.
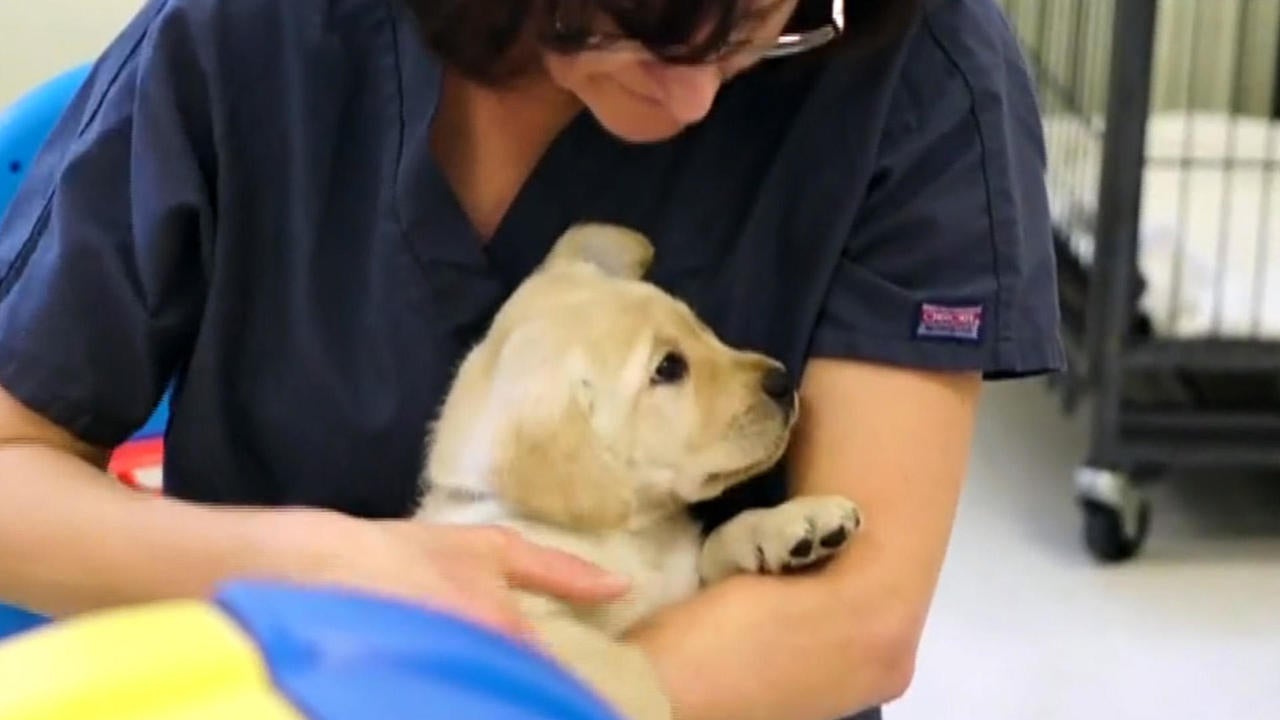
x: 776, y: 383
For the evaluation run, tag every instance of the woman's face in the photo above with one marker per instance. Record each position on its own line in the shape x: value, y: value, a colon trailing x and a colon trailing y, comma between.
x: 639, y: 98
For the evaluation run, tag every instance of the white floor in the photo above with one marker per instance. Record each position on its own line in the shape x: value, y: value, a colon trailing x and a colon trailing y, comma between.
x: 1027, y: 627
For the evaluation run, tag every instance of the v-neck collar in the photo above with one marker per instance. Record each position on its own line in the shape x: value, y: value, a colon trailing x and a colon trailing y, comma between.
x: 434, y: 223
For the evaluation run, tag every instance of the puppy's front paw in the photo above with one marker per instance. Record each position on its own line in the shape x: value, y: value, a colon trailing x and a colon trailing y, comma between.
x: 803, y: 532
x: 795, y: 535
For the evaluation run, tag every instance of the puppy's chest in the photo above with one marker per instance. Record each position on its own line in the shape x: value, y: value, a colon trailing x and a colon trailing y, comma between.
x: 666, y: 566
x: 661, y: 561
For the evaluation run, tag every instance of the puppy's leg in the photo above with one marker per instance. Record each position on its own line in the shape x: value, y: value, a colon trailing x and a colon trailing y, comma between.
x: 621, y: 674
x: 794, y: 535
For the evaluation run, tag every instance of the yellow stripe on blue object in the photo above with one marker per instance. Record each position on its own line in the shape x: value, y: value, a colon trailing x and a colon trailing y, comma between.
x: 180, y: 660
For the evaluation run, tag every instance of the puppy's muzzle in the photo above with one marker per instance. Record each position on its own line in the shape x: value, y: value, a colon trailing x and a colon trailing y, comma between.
x: 777, y: 384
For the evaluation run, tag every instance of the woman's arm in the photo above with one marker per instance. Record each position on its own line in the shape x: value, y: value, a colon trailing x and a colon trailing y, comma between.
x: 72, y: 539
x: 821, y: 646
x: 959, y: 214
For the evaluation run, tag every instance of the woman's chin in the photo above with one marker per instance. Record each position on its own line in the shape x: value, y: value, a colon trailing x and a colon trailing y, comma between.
x: 633, y: 118
x: 639, y: 127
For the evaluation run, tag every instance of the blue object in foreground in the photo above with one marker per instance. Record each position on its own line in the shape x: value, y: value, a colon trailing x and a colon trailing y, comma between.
x: 15, y: 620
x: 272, y: 651
x: 341, y: 655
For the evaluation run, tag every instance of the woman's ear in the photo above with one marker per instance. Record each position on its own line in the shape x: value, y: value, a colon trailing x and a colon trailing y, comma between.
x: 548, y: 462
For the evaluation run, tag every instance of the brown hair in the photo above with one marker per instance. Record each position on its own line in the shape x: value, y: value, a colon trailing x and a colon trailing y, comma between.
x: 479, y: 37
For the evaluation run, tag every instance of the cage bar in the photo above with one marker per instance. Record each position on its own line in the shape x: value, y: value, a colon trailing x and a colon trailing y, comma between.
x: 1119, y: 205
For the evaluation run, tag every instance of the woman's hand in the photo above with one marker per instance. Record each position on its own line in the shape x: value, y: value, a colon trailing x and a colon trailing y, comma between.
x: 72, y: 540
x: 467, y: 570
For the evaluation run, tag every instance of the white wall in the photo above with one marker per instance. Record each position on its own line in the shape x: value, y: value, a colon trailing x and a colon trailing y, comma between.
x: 40, y: 38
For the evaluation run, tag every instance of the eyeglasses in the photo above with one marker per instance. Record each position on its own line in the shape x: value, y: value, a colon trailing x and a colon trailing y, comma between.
x: 786, y: 45
x: 795, y: 43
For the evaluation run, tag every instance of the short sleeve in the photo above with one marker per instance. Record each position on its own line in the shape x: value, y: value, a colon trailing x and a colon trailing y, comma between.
x: 950, y: 262
x: 100, y: 260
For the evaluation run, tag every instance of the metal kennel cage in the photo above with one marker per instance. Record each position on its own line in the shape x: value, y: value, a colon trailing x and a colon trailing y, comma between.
x: 1162, y: 125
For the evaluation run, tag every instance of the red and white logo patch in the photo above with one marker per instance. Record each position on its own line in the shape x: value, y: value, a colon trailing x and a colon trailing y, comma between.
x: 958, y: 322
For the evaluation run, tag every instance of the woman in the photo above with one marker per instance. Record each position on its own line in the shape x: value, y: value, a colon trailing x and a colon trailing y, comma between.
x: 303, y: 211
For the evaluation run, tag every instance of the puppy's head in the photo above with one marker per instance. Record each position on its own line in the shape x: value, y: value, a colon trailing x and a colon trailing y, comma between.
x: 596, y: 398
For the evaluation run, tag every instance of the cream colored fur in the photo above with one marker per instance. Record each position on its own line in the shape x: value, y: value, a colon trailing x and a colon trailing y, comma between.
x: 572, y: 423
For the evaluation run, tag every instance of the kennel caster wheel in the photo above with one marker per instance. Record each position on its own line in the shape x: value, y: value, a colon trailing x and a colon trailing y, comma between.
x: 1117, y: 517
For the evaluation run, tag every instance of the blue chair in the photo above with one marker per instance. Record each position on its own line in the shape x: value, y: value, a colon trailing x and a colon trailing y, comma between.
x: 24, y: 126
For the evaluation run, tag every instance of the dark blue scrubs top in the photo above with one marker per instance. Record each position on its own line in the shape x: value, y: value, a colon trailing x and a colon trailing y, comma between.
x: 241, y: 200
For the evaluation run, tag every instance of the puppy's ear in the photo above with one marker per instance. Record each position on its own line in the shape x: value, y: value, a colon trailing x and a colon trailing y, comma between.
x: 618, y: 251
x: 548, y: 462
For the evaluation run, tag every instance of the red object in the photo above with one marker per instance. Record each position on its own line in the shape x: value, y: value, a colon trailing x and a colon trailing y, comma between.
x: 139, y: 464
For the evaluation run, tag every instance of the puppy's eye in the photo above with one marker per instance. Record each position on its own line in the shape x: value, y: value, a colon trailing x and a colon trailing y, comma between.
x: 671, y: 369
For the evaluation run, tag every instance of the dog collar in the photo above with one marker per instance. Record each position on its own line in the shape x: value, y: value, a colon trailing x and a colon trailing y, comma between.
x: 458, y: 494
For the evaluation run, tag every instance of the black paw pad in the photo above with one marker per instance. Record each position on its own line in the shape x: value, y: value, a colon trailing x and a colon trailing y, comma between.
x: 802, y: 549
x: 835, y: 538
x: 807, y: 566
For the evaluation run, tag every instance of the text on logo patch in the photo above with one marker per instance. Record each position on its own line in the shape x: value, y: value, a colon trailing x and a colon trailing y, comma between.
x: 959, y: 322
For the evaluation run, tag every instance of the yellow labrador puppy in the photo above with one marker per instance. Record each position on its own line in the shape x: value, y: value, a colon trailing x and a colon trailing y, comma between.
x: 595, y: 410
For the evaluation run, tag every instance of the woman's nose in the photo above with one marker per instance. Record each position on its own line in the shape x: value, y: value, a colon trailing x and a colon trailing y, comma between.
x: 688, y: 90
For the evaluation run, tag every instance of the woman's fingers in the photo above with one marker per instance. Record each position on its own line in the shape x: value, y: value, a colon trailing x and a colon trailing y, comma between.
x: 541, y: 569
x: 471, y: 571
x: 486, y: 609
